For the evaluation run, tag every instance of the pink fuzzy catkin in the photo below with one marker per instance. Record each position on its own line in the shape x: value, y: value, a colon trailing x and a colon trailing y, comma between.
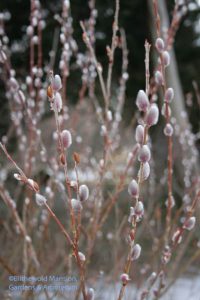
x: 136, y: 252
x: 142, y: 101
x: 56, y: 83
x: 139, y: 134
x: 66, y: 138
x: 83, y: 192
x: 58, y: 102
x: 40, y: 199
x: 145, y: 171
x: 166, y: 58
x: 169, y: 95
x: 189, y: 223
x: 124, y: 278
x: 139, y: 208
x: 168, y: 130
x: 133, y: 188
x: 76, y: 206
x: 158, y: 78
x: 90, y: 294
x: 144, y: 154
x: 160, y: 45
x: 152, y: 115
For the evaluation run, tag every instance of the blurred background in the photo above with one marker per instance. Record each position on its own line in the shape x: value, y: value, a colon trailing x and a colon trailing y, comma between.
x: 136, y: 18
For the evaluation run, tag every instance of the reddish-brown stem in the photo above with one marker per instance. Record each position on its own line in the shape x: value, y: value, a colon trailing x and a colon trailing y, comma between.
x: 97, y: 66
x: 132, y: 230
x: 112, y: 50
x: 39, y: 29
x: 31, y: 47
x: 169, y: 138
x: 175, y: 244
x: 7, y: 267
x: 59, y: 224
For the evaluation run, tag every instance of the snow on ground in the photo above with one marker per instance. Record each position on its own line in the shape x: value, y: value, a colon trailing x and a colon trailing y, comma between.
x: 183, y: 289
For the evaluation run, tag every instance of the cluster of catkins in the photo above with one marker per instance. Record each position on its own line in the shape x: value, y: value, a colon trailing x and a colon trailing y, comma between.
x: 164, y: 60
x: 66, y: 141
x: 36, y: 20
x: 69, y: 45
x: 151, y: 114
x: 4, y: 40
x: 164, y: 57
